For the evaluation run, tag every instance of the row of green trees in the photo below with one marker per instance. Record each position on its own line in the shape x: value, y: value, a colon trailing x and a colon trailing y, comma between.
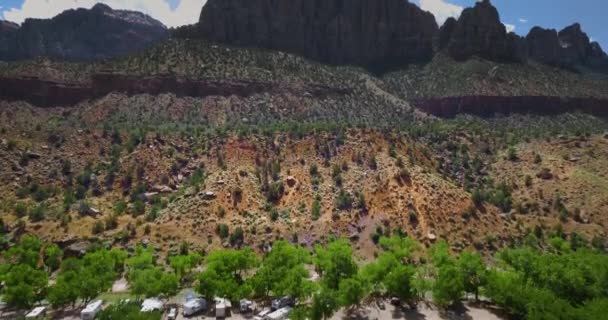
x: 557, y: 282
x: 26, y: 267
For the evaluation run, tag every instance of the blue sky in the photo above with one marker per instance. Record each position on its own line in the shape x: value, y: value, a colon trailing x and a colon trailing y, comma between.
x: 520, y: 14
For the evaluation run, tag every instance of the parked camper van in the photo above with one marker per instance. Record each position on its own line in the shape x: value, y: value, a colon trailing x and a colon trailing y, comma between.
x: 279, y: 303
x: 36, y: 313
x: 222, y: 307
x: 91, y: 310
x: 193, y: 306
x: 280, y: 314
x: 262, y: 315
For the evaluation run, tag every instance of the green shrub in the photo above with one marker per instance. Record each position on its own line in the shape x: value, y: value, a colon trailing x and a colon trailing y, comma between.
x: 344, y: 201
x: 222, y: 230
x: 275, y: 191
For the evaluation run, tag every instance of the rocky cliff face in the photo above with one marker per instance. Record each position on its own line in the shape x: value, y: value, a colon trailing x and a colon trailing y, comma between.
x: 362, y: 32
x: 487, y: 106
x: 570, y: 48
x: 81, y: 34
x: 479, y: 32
x: 8, y: 32
x: 46, y: 93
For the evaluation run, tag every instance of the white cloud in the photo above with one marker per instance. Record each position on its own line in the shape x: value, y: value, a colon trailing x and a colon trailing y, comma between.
x: 187, y: 12
x: 522, y: 20
x: 510, y: 27
x: 441, y: 9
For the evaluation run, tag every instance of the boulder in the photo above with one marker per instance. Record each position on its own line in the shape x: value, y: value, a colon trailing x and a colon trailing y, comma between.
x: 162, y: 189
x: 361, y: 32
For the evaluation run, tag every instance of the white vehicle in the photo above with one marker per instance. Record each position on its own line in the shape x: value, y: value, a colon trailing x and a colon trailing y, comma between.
x: 172, y: 315
x: 246, y: 306
x: 280, y: 314
x: 193, y: 306
x: 152, y: 304
x: 222, y: 307
x: 262, y: 315
x: 37, y: 313
x: 282, y: 302
x: 91, y: 310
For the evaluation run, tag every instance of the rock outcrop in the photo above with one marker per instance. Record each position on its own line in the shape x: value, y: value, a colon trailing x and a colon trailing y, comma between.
x: 569, y: 48
x: 479, y: 32
x: 487, y: 106
x: 8, y: 33
x: 81, y: 34
x: 44, y: 93
x: 361, y: 32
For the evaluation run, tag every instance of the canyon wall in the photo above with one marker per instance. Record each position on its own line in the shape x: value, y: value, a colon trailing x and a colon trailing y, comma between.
x: 487, y: 106
x: 44, y: 93
x: 360, y: 32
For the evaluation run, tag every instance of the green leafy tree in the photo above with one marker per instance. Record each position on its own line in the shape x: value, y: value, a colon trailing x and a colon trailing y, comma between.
x: 52, y: 256
x: 283, y: 272
x: 335, y: 263
x: 225, y: 274
x: 25, y: 282
x: 24, y: 286
x: 324, y: 304
x: 351, y: 292
x: 398, y: 283
x: 152, y: 282
x: 473, y: 271
x: 448, y: 286
x: 27, y: 252
x: 183, y: 264
x: 127, y: 311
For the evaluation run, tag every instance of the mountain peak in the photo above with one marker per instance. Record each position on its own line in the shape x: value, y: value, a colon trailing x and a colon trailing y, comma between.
x: 81, y: 34
x: 101, y: 7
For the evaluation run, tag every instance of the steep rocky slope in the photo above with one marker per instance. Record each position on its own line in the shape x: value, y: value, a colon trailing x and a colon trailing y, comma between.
x: 81, y: 34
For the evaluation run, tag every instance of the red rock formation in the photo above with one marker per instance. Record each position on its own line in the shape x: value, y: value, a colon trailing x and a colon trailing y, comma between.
x: 49, y: 93
x: 486, y: 106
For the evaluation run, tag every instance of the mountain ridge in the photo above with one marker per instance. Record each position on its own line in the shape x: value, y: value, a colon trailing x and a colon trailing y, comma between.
x: 81, y: 35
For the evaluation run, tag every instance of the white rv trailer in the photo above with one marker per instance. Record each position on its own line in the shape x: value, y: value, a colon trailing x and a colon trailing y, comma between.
x: 91, y: 310
x: 280, y: 314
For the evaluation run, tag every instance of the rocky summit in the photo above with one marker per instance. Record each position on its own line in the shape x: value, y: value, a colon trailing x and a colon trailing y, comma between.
x: 81, y: 34
x: 570, y: 47
x: 479, y: 32
x: 360, y: 32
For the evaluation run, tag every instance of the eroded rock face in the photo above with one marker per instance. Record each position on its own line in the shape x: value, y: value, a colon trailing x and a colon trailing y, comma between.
x: 361, y: 32
x: 543, y: 46
x: 488, y: 106
x: 81, y: 34
x: 8, y: 33
x: 44, y: 93
x: 570, y: 48
x: 479, y: 32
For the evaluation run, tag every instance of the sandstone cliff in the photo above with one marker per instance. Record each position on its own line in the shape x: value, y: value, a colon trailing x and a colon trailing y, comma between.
x: 479, y: 32
x: 569, y: 48
x: 361, y: 32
